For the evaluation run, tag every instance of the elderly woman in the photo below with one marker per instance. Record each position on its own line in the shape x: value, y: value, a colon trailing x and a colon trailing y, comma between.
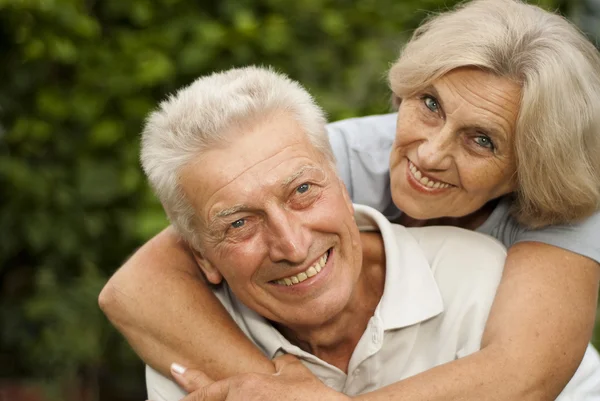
x: 498, y: 130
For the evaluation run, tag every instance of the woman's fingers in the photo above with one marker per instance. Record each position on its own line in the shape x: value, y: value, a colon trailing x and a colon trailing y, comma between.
x: 292, y: 381
x: 284, y: 361
x: 290, y: 367
x: 218, y: 391
x: 190, y: 379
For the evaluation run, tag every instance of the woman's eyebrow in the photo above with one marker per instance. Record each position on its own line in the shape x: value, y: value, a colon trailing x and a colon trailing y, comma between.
x: 431, y: 89
x: 495, y: 133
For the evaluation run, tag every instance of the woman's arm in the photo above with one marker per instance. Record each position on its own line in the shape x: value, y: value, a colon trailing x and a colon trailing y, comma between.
x: 537, y: 332
x: 536, y: 335
x: 159, y: 301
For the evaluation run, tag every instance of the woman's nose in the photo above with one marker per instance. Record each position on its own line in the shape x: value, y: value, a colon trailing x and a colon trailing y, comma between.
x: 435, y: 151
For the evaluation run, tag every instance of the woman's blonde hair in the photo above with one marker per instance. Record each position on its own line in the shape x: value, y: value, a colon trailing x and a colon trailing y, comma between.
x: 557, y: 138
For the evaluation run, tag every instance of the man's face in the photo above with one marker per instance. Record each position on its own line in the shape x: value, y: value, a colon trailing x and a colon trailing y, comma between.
x: 276, y: 223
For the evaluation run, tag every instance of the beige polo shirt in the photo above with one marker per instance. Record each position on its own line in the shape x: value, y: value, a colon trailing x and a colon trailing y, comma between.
x: 440, y: 284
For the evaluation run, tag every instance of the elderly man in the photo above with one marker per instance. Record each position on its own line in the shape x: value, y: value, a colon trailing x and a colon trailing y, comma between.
x: 242, y: 164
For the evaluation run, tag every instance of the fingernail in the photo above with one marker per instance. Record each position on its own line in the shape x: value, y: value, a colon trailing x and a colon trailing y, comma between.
x: 177, y: 368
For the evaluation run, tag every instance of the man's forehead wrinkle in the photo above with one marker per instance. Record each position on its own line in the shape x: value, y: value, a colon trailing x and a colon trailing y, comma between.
x: 236, y: 208
x: 264, y: 160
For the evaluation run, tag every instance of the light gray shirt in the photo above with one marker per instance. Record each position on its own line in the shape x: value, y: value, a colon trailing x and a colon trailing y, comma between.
x: 362, y: 150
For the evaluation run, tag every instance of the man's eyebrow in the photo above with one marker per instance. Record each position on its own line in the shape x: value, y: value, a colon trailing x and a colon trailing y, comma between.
x: 237, y: 208
x: 229, y: 211
x: 300, y: 173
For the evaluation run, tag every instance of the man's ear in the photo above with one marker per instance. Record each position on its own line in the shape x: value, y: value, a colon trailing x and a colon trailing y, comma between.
x: 212, y: 274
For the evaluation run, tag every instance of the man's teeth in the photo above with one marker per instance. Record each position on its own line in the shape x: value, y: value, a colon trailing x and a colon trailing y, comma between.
x: 310, y: 272
x: 424, y: 180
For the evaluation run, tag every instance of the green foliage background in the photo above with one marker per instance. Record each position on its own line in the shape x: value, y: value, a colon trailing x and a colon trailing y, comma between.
x: 78, y: 79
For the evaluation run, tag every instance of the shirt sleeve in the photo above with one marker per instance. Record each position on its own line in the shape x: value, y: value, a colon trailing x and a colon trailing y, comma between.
x: 582, y: 238
x: 161, y: 388
x: 362, y: 148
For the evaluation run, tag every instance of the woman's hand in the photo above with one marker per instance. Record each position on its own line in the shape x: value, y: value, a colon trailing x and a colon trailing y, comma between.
x: 291, y: 382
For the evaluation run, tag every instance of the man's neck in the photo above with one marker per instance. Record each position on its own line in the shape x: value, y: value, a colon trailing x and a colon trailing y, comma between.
x: 335, y: 340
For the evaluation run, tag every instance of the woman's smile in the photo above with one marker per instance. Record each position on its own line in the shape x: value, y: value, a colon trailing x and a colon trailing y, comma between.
x: 425, y: 182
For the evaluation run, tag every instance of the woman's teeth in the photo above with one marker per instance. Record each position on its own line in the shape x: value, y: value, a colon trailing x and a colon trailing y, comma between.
x: 424, y: 180
x: 310, y: 272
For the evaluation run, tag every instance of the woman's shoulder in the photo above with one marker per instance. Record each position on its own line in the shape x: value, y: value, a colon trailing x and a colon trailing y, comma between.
x: 582, y: 237
x: 364, y: 133
x: 361, y: 147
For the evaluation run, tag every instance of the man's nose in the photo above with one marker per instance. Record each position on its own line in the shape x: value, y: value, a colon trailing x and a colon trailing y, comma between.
x: 435, y: 151
x: 290, y: 239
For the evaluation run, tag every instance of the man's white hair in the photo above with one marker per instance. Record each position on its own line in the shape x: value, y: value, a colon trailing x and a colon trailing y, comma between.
x: 203, y: 115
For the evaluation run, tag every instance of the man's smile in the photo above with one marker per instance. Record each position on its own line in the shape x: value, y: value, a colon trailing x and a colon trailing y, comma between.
x: 312, y: 271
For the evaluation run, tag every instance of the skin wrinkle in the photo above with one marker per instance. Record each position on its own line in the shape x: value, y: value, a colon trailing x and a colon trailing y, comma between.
x: 232, y: 179
x: 285, y: 183
x: 499, y: 131
x: 189, y: 166
x: 239, y: 127
x: 214, y: 222
x: 504, y: 99
x: 298, y: 174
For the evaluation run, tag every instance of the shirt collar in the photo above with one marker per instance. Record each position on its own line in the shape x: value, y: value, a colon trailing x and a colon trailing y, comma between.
x: 410, y: 294
x: 264, y: 335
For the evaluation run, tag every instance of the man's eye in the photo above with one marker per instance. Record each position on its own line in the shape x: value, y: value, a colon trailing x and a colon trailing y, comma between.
x: 431, y: 103
x: 238, y: 223
x: 303, y: 188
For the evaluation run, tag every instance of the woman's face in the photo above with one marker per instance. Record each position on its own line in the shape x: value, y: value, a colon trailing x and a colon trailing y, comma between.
x: 453, y: 150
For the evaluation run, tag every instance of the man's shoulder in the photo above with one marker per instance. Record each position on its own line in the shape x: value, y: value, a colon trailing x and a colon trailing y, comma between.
x: 449, y: 239
x: 467, y: 267
x: 463, y: 262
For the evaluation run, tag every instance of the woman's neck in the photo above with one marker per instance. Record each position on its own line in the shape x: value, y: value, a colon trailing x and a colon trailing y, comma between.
x: 470, y: 222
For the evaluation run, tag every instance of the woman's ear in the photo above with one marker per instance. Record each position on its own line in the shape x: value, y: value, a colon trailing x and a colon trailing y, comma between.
x: 213, y: 275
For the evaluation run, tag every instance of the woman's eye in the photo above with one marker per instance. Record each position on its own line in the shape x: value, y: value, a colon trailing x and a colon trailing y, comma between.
x: 303, y: 188
x: 238, y: 223
x: 431, y: 103
x: 484, y: 142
